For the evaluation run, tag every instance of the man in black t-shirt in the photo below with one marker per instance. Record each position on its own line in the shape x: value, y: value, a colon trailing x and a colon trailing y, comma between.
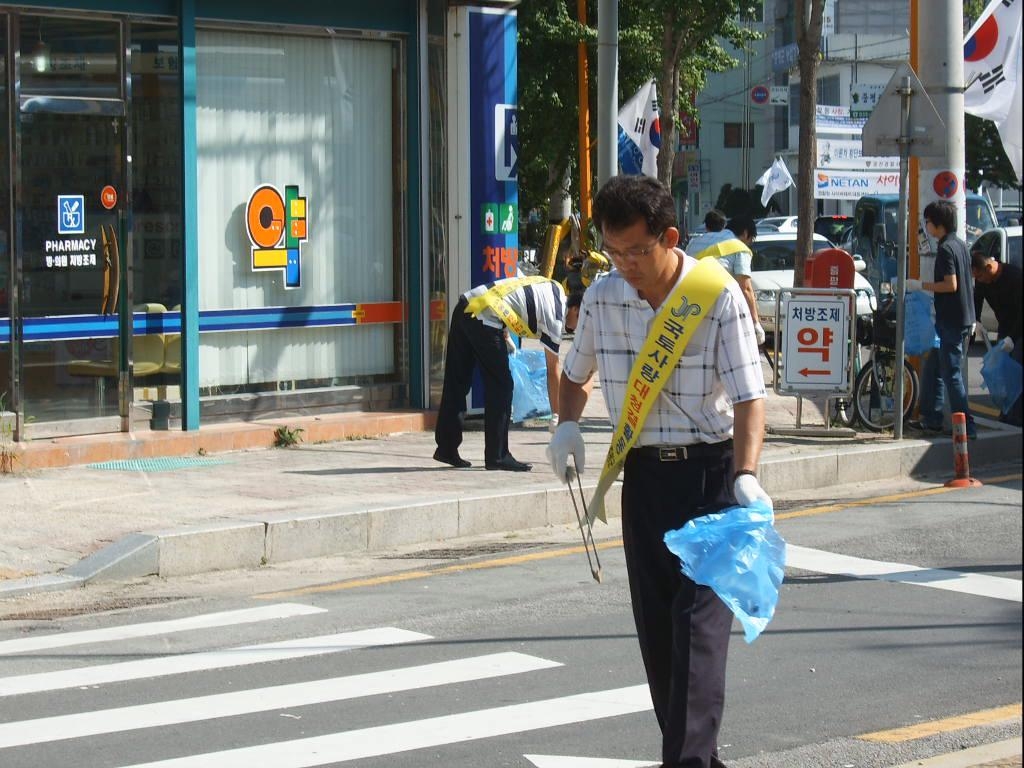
x: 1001, y: 286
x: 954, y: 318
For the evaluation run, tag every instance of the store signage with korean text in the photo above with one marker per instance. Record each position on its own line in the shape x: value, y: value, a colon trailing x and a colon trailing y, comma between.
x: 847, y: 155
x: 815, y: 343
x: 864, y: 97
x: 276, y: 225
x: 833, y: 119
x: 61, y: 253
x: 851, y: 185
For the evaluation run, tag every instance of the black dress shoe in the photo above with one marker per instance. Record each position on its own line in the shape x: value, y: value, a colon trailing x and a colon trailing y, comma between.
x: 509, y: 464
x: 454, y: 459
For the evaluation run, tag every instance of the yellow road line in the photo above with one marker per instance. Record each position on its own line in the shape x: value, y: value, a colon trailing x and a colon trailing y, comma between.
x: 549, y: 554
x: 809, y: 511
x: 391, y: 578
x: 955, y: 723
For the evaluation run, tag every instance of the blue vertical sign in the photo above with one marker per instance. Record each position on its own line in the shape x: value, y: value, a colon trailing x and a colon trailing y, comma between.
x: 494, y: 145
x: 493, y: 151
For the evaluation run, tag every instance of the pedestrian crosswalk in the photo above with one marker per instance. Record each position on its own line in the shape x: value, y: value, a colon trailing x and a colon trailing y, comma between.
x: 120, y: 707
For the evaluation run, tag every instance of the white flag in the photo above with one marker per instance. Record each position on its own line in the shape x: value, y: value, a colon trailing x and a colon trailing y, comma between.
x: 640, y: 132
x: 775, y: 179
x: 992, y: 64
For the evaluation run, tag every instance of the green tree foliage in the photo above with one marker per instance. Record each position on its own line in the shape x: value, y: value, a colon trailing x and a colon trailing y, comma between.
x: 677, y: 41
x: 986, y: 160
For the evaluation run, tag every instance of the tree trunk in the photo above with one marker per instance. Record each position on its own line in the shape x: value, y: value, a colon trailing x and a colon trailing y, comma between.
x: 808, y: 36
x: 668, y: 102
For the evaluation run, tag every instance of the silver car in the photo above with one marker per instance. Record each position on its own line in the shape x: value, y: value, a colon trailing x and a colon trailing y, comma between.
x: 772, y: 270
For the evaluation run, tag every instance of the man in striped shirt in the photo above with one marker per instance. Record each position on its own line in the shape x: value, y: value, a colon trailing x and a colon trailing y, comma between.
x: 478, y: 336
x: 697, y: 451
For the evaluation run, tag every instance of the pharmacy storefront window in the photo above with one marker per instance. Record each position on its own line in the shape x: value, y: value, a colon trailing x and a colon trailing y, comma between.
x: 301, y: 211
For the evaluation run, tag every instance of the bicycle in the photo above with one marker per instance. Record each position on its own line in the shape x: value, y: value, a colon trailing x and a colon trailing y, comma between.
x: 874, y: 397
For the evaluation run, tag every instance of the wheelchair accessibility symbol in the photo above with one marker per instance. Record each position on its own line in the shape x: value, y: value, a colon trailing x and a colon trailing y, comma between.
x: 70, y: 214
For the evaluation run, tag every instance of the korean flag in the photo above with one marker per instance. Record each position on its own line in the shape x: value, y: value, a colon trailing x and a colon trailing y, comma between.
x: 640, y: 133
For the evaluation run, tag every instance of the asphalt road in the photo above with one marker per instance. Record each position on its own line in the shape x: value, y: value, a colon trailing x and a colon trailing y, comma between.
x: 484, y: 652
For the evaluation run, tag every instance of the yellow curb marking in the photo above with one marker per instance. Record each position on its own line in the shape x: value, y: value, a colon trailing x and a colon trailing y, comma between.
x: 955, y: 723
x: 988, y: 411
x: 549, y: 554
x: 885, y: 499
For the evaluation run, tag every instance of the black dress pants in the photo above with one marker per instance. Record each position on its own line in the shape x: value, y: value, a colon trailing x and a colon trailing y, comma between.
x: 683, y: 628
x: 472, y: 344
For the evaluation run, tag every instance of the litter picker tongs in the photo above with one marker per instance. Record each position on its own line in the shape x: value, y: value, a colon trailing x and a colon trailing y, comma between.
x: 586, y: 528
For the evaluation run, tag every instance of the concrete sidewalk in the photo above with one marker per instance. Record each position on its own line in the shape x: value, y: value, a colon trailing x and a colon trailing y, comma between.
x: 177, y: 503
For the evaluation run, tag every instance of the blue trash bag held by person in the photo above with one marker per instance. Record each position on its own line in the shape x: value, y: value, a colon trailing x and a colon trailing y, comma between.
x: 919, y: 335
x: 739, y: 554
x: 1001, y: 375
x: 530, y: 385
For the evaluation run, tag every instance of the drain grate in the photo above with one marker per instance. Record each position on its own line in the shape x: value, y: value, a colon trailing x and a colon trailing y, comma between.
x: 165, y: 464
x: 475, y: 550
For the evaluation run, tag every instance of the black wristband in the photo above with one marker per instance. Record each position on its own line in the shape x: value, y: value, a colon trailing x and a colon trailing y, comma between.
x: 739, y: 472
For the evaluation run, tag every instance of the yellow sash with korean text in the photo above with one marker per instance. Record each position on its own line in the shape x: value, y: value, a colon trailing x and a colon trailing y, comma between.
x: 494, y: 299
x: 671, y: 331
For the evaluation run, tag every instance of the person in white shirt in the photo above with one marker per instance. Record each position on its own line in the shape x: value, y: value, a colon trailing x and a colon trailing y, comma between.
x: 696, y: 453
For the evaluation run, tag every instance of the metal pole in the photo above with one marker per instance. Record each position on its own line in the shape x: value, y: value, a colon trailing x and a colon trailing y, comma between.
x: 607, y: 89
x: 941, y: 69
x: 905, y: 92
x: 583, y: 85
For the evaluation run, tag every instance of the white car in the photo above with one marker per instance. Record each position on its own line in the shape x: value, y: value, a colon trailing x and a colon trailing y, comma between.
x: 772, y: 270
x: 779, y: 223
x: 1002, y: 244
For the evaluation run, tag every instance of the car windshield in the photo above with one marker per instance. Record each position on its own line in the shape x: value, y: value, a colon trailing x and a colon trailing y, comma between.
x: 779, y: 254
x: 979, y: 219
x: 1013, y: 248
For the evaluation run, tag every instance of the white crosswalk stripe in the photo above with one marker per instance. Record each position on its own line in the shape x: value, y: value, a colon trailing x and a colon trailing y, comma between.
x: 265, y: 699
x: 98, y: 719
x: 153, y: 628
x: 196, y: 662
x: 420, y: 734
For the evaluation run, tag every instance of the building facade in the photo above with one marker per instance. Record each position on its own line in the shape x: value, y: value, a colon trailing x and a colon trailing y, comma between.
x: 214, y: 210
x: 745, y: 125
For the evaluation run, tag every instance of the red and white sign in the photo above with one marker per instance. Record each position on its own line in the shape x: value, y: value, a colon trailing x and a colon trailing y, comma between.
x: 108, y: 197
x: 815, y: 343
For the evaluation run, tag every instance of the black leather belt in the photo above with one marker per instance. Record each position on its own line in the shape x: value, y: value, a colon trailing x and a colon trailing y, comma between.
x: 683, y: 452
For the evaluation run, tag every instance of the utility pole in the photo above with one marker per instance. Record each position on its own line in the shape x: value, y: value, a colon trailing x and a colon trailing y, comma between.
x: 608, y: 89
x: 941, y: 69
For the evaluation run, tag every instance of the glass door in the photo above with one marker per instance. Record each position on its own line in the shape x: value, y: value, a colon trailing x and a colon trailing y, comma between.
x: 71, y: 258
x: 71, y: 266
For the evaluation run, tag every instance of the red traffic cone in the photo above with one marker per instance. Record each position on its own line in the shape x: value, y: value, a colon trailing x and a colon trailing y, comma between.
x: 961, y: 464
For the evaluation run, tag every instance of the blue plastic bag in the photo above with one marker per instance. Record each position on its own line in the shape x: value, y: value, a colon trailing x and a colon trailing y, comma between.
x: 918, y: 327
x: 530, y: 385
x: 1001, y: 375
x: 739, y: 554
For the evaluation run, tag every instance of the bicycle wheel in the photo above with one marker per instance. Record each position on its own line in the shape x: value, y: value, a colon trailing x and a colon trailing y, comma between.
x: 874, y: 397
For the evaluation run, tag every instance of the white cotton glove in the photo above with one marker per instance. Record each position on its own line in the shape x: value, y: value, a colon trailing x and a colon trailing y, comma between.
x: 553, y: 423
x: 566, y: 441
x: 746, y: 489
x: 759, y: 334
x: 510, y: 345
x: 914, y: 285
x: 1007, y: 344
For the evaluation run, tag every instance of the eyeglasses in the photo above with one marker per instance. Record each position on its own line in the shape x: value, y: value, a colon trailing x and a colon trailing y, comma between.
x: 633, y: 254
